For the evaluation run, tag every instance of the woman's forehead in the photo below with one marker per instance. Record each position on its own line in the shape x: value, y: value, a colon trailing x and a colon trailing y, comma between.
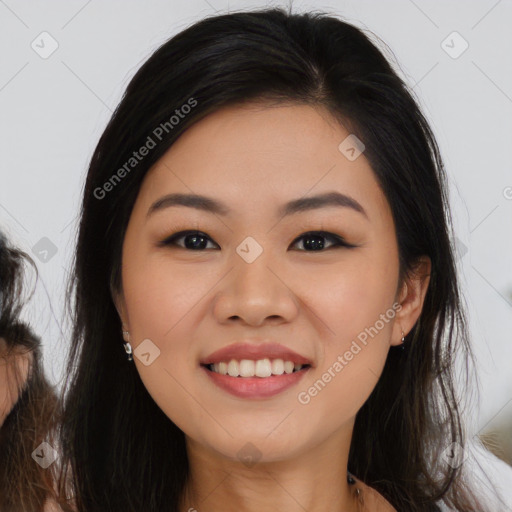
x: 269, y: 155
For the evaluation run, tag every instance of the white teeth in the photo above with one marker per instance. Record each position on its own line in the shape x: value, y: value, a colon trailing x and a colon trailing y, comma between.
x: 261, y: 368
x: 246, y: 368
x: 277, y: 367
x: 233, y: 369
x: 288, y: 367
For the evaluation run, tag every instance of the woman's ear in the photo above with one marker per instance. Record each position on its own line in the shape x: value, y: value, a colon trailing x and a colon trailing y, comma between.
x: 411, y: 298
x: 119, y: 304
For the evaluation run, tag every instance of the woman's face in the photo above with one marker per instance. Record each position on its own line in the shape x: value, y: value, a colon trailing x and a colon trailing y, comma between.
x: 254, y: 278
x: 14, y: 368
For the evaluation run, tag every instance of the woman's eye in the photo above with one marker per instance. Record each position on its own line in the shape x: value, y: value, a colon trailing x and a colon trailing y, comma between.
x: 313, y: 241
x: 194, y: 240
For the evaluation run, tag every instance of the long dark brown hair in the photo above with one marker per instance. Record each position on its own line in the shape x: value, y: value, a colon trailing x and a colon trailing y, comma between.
x: 123, y: 452
x: 24, y: 484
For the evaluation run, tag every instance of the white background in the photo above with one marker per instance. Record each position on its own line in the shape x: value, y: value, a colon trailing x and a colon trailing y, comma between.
x: 53, y: 111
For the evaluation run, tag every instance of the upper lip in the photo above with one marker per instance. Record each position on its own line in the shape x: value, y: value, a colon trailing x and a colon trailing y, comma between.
x: 251, y: 351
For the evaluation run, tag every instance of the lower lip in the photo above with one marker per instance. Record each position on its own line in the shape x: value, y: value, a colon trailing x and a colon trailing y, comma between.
x: 256, y: 387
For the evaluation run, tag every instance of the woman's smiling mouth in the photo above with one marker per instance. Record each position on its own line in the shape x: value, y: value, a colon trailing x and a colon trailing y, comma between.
x: 253, y: 386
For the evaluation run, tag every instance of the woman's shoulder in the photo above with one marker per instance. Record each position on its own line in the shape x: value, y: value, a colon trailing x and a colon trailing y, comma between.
x: 372, y: 500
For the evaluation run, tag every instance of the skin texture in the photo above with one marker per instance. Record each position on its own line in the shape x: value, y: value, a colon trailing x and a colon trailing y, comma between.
x: 190, y: 303
x: 13, y: 373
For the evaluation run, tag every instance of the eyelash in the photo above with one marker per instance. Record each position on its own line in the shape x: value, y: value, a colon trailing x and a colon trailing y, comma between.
x: 339, y: 242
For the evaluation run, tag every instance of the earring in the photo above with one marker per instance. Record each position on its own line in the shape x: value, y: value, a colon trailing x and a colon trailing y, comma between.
x: 403, y: 341
x: 127, y: 346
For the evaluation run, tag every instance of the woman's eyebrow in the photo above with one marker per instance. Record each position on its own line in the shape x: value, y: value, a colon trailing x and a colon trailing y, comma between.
x: 302, y: 204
